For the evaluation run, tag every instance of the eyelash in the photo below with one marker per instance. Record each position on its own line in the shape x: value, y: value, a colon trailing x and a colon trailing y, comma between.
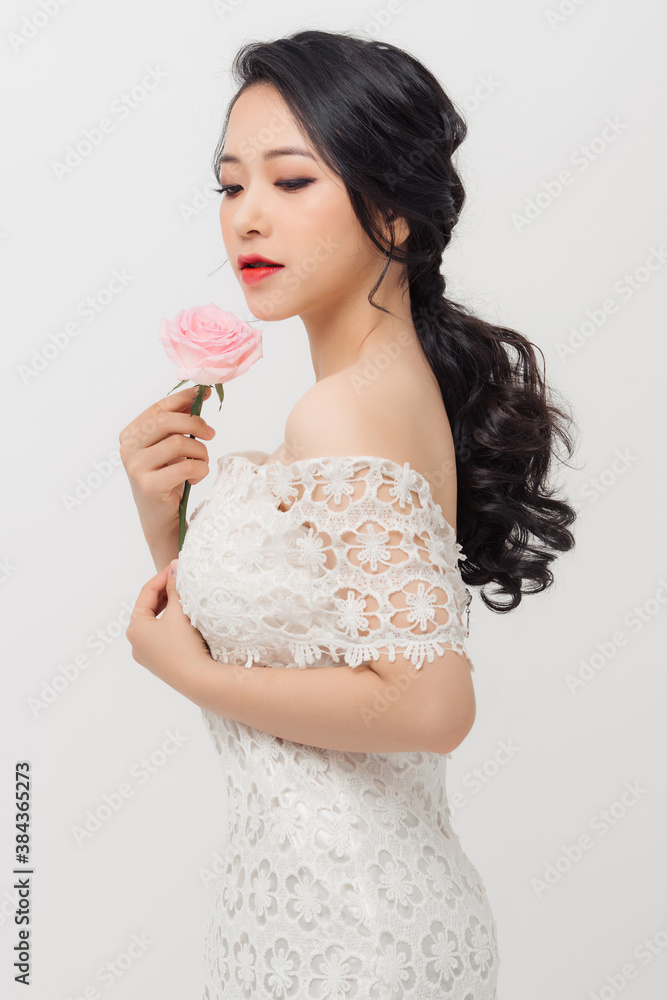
x: 288, y: 185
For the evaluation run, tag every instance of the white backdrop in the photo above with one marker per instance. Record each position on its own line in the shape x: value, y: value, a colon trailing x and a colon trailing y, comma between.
x: 568, y: 747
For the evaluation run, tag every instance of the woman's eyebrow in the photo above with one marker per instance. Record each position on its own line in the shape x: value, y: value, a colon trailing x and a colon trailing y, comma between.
x: 271, y: 154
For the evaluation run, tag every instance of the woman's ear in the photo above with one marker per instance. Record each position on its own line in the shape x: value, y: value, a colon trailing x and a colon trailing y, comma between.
x: 383, y: 218
x: 401, y: 229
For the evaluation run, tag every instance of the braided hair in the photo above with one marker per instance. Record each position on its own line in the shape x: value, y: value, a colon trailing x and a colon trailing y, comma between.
x: 383, y: 123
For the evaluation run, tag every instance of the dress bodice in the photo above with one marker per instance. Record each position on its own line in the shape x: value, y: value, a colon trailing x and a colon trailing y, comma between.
x: 340, y: 558
x: 342, y: 876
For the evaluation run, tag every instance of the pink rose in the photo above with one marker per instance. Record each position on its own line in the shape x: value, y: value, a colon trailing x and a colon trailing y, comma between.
x: 209, y: 345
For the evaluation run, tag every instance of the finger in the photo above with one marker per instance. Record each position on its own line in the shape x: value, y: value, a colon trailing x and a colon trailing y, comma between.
x: 175, y: 447
x: 172, y: 572
x: 180, y: 400
x: 169, y: 593
x: 151, y: 599
x: 168, y: 416
x: 177, y: 402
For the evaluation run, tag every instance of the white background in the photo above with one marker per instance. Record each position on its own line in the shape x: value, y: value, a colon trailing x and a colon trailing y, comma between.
x: 534, y: 88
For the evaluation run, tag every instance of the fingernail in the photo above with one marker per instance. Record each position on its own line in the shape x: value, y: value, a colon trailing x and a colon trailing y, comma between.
x: 173, y: 565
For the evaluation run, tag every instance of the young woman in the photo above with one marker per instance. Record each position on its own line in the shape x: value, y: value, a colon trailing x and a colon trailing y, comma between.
x: 428, y: 434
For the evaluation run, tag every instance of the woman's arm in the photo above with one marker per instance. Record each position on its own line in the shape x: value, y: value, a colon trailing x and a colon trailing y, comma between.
x: 337, y: 708
x: 163, y: 547
x: 376, y: 707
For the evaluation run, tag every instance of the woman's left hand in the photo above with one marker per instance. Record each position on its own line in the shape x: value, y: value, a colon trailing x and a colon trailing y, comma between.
x: 169, y: 646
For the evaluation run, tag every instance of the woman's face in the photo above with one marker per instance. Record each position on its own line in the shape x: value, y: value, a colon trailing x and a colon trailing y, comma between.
x: 291, y: 209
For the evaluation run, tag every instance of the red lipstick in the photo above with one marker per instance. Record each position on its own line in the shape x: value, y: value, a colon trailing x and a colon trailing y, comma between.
x: 254, y: 267
x: 253, y: 258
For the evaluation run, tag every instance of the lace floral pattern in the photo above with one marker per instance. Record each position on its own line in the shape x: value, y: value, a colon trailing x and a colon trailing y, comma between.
x: 343, y: 878
x: 354, y: 557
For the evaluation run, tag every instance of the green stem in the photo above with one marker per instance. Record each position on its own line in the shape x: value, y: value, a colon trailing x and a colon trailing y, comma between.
x: 195, y: 410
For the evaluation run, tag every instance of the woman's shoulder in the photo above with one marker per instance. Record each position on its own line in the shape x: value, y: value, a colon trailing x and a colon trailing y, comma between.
x: 332, y: 418
x: 341, y: 414
x: 397, y: 418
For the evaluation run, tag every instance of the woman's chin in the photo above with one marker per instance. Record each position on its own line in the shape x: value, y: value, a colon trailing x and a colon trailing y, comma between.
x: 265, y: 309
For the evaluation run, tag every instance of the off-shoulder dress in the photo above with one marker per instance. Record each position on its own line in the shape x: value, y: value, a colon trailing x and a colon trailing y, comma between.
x: 343, y: 878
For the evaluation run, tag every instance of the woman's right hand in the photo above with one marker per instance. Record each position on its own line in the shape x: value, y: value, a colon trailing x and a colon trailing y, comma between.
x: 159, y: 456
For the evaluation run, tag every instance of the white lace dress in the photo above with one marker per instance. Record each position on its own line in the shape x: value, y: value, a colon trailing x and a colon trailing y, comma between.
x: 343, y: 878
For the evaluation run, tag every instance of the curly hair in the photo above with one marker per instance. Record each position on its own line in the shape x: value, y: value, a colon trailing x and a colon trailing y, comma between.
x: 360, y: 101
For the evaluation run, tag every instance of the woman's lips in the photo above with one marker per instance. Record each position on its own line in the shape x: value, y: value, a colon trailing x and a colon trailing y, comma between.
x: 251, y: 275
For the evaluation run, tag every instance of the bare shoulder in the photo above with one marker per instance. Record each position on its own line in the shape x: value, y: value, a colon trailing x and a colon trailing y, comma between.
x: 400, y: 416
x: 306, y: 427
x: 342, y: 415
x: 400, y: 420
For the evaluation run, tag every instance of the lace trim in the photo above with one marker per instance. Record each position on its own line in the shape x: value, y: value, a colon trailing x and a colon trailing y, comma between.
x: 306, y: 654
x: 407, y: 478
x: 339, y: 513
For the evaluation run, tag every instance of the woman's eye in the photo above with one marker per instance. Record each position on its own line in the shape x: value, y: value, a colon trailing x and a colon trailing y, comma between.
x: 293, y: 185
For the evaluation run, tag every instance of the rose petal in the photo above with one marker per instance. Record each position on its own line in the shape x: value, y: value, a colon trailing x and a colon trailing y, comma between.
x: 209, y: 344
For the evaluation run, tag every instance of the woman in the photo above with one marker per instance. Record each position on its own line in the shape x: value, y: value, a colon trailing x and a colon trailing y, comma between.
x: 421, y: 438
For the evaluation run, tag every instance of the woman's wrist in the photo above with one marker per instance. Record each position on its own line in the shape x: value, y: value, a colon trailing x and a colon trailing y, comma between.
x: 163, y: 548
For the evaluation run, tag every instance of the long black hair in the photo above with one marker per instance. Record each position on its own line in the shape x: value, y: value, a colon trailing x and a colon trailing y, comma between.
x: 383, y: 123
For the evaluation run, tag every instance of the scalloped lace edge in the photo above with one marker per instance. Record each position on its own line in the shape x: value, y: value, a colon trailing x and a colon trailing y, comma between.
x: 416, y: 651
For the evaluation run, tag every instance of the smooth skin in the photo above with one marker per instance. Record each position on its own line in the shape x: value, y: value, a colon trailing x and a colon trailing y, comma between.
x: 374, y: 394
